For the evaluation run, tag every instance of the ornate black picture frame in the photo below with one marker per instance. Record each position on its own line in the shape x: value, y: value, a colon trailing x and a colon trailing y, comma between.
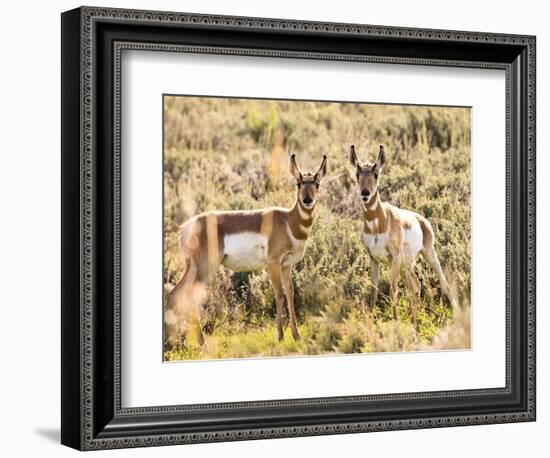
x: 92, y: 42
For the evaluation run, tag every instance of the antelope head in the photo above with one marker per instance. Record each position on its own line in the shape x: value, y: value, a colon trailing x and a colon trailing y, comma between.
x: 367, y: 173
x: 308, y: 183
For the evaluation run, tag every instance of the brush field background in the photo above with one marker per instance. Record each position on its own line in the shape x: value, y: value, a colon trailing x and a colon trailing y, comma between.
x: 231, y: 154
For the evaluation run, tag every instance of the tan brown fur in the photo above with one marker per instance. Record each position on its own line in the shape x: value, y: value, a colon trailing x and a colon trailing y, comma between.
x: 381, y: 218
x: 378, y: 212
x: 202, y: 246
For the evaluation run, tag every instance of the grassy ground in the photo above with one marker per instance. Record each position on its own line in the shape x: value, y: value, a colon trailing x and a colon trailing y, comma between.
x: 226, y: 154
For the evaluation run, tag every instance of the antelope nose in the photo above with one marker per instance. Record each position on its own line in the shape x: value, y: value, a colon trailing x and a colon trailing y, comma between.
x: 307, y: 200
x: 365, y: 193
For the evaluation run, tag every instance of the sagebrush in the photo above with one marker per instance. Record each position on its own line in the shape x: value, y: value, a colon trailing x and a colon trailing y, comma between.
x: 230, y: 154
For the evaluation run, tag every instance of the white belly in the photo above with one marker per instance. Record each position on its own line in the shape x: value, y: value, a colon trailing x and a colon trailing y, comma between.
x: 377, y: 245
x: 245, y: 252
x: 412, y: 243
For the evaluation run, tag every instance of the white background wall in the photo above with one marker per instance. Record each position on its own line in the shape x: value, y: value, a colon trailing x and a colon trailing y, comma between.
x: 30, y: 215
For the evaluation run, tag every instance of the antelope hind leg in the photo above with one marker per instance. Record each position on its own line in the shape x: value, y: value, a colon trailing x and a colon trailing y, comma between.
x: 183, y: 308
x: 436, y: 266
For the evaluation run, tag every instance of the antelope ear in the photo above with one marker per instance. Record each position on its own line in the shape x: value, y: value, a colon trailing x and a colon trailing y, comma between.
x: 381, y: 159
x: 294, y: 170
x: 353, y: 156
x: 322, y: 171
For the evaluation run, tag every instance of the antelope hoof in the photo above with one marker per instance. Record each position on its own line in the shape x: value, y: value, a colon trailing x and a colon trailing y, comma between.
x: 295, y: 334
x: 280, y: 335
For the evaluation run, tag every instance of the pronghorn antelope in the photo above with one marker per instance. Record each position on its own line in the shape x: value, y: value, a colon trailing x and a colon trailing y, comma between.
x: 244, y: 241
x: 393, y: 235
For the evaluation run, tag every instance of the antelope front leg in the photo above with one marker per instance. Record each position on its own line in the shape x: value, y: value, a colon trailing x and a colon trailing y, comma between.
x: 276, y: 282
x: 289, y: 294
x: 395, y: 270
x: 374, y: 275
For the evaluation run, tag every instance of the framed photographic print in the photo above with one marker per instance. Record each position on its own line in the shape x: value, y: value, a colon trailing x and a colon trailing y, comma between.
x: 278, y: 228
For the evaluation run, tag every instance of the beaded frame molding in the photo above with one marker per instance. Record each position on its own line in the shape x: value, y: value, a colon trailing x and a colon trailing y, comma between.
x: 92, y: 42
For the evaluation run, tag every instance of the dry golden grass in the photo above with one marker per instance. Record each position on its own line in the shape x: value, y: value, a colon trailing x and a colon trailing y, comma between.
x: 224, y: 154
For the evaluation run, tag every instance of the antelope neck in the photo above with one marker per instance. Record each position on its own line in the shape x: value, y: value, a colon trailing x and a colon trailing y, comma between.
x: 300, y: 220
x: 374, y: 214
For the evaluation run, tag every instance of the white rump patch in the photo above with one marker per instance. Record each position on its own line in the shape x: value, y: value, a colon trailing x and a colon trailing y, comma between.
x: 245, y: 252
